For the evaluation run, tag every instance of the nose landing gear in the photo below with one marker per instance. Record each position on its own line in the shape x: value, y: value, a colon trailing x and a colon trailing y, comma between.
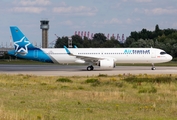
x: 153, y: 67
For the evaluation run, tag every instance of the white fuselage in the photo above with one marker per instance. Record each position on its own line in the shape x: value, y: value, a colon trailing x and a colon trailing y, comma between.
x: 119, y: 55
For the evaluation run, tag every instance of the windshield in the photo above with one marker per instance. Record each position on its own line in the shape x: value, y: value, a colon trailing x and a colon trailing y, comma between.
x: 163, y: 52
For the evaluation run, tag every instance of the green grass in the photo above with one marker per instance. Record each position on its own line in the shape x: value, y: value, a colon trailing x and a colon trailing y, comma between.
x: 64, y: 80
x: 119, y: 97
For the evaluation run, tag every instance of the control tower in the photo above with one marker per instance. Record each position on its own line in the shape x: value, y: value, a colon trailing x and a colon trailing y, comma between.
x: 44, y: 26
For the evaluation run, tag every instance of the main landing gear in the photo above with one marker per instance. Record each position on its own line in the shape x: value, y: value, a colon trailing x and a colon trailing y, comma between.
x: 153, y: 67
x: 89, y: 68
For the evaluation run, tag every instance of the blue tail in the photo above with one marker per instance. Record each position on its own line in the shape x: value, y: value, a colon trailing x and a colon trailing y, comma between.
x: 24, y: 49
x: 21, y: 43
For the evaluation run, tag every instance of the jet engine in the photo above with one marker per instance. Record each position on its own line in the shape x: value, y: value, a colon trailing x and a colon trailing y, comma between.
x: 107, y: 63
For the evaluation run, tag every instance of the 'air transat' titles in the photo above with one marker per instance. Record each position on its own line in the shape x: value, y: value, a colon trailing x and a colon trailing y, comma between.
x: 127, y: 51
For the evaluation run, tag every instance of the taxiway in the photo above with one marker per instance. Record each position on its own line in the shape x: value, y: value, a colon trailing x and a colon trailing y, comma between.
x: 80, y: 70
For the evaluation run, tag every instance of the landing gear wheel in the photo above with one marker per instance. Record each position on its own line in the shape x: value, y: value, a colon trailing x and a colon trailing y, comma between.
x: 89, y: 68
x: 153, y: 68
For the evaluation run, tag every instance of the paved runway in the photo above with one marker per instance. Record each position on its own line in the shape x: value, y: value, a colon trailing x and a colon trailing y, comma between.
x: 80, y: 70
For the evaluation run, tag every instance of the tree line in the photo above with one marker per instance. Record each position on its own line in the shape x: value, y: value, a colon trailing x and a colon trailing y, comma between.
x: 165, y: 39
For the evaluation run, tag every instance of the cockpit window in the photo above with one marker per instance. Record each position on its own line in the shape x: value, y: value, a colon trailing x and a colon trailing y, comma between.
x: 163, y: 52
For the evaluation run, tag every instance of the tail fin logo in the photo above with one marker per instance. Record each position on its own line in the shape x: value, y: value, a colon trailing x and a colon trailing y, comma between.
x: 21, y: 46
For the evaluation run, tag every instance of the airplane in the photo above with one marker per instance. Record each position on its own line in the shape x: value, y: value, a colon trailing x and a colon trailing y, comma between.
x: 103, y: 57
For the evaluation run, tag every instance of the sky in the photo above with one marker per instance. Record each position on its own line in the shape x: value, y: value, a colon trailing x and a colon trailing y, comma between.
x: 96, y: 16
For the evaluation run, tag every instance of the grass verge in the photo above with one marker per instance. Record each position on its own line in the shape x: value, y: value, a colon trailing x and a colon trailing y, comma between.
x: 119, y: 97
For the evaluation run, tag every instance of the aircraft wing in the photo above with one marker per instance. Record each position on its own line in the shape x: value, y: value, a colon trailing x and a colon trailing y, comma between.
x: 89, y: 58
x: 86, y: 57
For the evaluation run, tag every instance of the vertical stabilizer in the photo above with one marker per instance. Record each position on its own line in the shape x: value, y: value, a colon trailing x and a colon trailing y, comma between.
x: 21, y: 43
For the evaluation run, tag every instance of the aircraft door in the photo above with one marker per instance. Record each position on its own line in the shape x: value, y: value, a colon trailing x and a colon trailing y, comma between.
x: 153, y: 53
x: 35, y: 53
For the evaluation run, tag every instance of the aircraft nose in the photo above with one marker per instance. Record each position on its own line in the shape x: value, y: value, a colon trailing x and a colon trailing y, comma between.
x: 169, y: 57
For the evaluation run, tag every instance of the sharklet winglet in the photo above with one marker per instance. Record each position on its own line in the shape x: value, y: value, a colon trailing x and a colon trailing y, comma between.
x: 67, y: 51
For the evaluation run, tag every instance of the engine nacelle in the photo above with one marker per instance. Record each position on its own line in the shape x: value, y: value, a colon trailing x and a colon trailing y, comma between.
x: 107, y: 63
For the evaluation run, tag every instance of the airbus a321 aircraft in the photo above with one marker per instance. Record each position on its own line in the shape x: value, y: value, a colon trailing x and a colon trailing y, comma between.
x: 104, y: 57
